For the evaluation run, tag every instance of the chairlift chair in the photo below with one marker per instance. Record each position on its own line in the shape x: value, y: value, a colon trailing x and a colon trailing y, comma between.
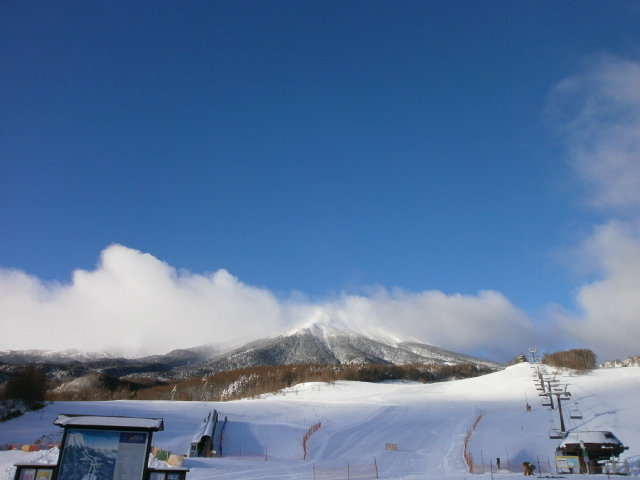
x: 575, y: 413
x: 546, y: 402
x: 554, y: 433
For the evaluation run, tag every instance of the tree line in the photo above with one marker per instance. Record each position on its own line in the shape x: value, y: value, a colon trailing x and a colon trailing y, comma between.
x: 581, y: 359
x: 29, y: 387
x: 24, y: 390
x: 254, y: 381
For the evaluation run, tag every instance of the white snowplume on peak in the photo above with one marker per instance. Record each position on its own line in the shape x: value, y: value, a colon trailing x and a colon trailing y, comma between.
x: 324, y: 323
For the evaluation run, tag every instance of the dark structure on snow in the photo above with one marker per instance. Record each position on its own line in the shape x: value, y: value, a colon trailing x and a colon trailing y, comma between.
x: 588, y: 452
x: 203, y: 443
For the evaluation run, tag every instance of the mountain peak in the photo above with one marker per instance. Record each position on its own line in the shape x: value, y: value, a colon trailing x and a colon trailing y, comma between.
x: 323, y: 324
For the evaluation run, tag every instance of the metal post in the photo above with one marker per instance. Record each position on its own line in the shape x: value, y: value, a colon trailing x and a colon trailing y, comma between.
x: 551, y: 396
x: 562, y: 428
x: 539, y: 471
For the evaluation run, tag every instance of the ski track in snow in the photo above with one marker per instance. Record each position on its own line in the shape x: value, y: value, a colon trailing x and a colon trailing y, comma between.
x: 428, y: 423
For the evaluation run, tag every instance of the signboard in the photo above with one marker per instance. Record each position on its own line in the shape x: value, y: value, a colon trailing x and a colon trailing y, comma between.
x: 92, y: 454
x: 35, y: 472
x: 567, y: 462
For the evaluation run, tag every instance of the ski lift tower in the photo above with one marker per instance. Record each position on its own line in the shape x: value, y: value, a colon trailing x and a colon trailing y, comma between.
x: 560, y: 395
x: 532, y: 353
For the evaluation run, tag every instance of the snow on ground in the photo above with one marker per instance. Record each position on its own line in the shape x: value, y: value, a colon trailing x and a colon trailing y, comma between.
x: 428, y: 423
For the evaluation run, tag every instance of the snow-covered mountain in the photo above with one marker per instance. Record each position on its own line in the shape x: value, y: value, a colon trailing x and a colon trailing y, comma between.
x: 329, y: 341
x: 629, y: 362
x: 14, y: 357
x: 322, y: 340
x: 50, y: 356
x: 154, y: 366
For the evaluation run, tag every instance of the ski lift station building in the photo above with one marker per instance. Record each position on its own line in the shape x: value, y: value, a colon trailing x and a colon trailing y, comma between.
x: 591, y: 450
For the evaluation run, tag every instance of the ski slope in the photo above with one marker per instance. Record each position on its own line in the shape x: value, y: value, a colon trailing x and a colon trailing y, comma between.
x: 428, y: 423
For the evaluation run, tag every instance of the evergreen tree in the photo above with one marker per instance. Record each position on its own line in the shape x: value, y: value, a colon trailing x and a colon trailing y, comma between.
x: 28, y: 384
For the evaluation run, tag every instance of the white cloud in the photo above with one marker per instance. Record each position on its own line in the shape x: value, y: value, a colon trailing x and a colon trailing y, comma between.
x: 134, y: 302
x: 138, y: 303
x: 485, y: 322
x: 599, y: 116
x: 609, y: 317
x: 600, y: 121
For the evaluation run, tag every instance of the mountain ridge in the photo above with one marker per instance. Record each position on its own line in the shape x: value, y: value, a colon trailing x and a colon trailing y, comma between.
x: 330, y: 343
x: 323, y: 341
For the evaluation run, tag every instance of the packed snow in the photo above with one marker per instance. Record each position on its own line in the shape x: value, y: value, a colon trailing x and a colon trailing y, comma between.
x: 427, y: 423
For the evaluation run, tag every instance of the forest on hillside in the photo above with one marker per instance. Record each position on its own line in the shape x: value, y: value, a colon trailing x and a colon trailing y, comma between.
x: 30, y: 387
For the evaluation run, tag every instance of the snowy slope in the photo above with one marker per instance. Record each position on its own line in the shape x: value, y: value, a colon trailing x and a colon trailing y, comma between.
x: 428, y: 423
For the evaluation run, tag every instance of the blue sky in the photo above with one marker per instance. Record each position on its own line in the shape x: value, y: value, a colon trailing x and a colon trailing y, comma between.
x: 319, y: 152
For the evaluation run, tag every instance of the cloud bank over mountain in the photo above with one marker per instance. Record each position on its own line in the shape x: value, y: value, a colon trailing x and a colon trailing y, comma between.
x: 137, y: 303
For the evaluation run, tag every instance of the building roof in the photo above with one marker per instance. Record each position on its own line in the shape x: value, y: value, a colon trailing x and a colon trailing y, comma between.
x: 603, y: 437
x: 205, y: 428
x: 67, y: 420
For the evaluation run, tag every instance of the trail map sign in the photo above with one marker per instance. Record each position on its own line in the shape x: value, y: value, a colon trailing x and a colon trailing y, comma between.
x: 105, y: 448
x: 103, y: 455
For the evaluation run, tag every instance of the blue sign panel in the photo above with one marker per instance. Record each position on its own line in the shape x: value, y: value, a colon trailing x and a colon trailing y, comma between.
x: 103, y: 455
